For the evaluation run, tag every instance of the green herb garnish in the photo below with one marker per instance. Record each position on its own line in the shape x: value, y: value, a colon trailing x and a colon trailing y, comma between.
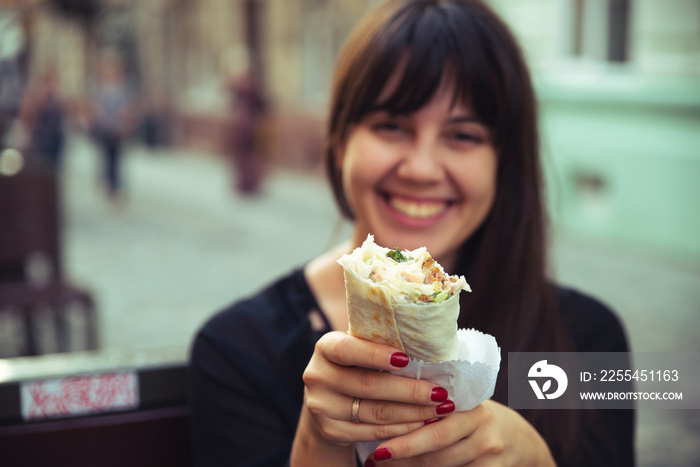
x: 441, y: 296
x: 397, y: 256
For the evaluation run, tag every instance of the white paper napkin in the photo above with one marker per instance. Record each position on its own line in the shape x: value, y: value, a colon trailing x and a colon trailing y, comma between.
x: 469, y: 381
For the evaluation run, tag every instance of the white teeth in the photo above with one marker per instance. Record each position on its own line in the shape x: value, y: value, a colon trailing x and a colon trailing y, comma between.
x: 417, y: 210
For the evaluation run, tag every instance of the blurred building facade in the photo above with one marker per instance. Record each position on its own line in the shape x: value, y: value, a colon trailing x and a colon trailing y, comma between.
x: 176, y: 49
x: 619, y: 83
x: 619, y: 86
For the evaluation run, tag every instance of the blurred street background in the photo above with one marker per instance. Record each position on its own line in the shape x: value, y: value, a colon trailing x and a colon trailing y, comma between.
x: 188, y: 219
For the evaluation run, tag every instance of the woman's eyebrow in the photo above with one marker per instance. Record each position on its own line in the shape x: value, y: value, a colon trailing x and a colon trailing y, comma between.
x: 382, y: 109
x: 464, y: 119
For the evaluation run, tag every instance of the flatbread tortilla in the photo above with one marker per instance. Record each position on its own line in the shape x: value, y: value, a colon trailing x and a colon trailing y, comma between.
x: 404, y: 299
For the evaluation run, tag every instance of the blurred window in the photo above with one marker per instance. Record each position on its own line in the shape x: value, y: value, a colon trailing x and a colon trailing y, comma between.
x: 600, y: 29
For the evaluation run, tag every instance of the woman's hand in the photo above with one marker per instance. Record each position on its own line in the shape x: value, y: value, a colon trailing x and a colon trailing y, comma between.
x: 344, y: 368
x: 490, y: 434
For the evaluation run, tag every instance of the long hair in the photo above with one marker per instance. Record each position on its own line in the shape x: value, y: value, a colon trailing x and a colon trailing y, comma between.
x: 505, y: 259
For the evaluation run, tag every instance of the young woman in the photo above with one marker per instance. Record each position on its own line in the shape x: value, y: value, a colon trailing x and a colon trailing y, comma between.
x: 432, y: 141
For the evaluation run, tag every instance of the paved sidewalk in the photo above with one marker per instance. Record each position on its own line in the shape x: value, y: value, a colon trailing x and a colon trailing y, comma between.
x: 182, y: 246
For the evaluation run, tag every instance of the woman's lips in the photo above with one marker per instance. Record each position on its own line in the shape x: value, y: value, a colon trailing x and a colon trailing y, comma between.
x: 415, y: 212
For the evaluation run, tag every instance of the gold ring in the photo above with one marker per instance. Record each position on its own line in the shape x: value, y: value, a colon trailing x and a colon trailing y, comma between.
x: 356, y: 410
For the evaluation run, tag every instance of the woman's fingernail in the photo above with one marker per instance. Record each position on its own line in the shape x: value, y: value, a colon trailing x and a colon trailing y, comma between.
x: 369, y: 463
x: 399, y: 359
x: 432, y: 420
x: 445, y: 407
x: 438, y: 395
x: 382, y: 454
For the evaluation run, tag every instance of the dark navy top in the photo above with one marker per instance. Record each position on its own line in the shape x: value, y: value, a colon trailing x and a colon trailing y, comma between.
x: 247, y: 361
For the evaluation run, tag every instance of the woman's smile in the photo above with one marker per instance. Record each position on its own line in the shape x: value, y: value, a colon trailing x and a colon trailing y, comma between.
x: 415, y: 212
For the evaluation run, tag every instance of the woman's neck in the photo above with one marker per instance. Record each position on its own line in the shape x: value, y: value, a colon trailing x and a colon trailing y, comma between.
x: 326, y: 280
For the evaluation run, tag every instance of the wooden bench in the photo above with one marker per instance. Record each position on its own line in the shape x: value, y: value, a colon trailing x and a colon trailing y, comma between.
x: 31, y: 261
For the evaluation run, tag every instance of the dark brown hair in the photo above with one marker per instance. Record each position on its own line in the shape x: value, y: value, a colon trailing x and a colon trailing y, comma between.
x: 504, y: 260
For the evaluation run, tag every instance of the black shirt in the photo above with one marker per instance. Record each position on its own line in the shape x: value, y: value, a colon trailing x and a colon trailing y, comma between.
x: 247, y: 362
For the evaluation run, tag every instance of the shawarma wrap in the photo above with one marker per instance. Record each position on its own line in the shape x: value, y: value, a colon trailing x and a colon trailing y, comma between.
x: 404, y: 299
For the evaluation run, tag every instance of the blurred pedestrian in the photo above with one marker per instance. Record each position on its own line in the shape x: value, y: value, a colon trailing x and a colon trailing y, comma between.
x: 43, y: 117
x: 13, y: 68
x: 112, y: 108
x: 247, y: 106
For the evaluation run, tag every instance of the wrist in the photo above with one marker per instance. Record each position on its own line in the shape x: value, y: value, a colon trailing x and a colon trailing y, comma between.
x: 311, y: 448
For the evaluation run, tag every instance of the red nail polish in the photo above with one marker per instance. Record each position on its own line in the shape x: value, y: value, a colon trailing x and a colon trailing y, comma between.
x: 382, y: 454
x: 369, y: 463
x: 445, y: 407
x: 438, y: 395
x: 399, y: 360
x: 432, y: 420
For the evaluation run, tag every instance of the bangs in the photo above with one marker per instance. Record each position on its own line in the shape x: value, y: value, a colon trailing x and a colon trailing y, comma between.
x: 426, y: 48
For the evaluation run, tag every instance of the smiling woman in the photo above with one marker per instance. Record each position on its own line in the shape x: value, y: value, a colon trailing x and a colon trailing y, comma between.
x: 432, y: 142
x: 421, y: 179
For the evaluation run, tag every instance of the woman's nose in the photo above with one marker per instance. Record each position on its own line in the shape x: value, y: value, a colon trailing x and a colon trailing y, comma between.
x: 420, y: 163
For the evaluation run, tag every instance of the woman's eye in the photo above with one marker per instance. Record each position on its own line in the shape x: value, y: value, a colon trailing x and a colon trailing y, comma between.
x: 388, y: 126
x: 465, y: 137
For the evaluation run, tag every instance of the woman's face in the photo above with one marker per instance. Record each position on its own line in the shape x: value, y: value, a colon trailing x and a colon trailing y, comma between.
x: 423, y: 179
